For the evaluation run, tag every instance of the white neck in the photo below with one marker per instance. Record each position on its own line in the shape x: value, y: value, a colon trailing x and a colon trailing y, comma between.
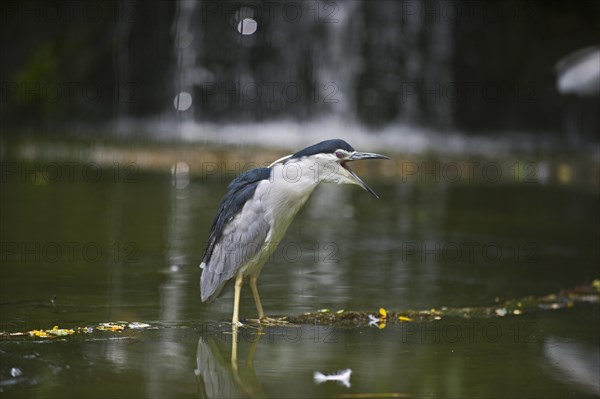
x: 290, y: 186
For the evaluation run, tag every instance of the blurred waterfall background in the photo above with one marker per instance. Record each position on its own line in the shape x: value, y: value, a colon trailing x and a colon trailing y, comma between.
x: 434, y: 75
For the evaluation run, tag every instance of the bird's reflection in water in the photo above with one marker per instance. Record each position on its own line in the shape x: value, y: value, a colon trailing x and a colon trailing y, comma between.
x: 222, y: 377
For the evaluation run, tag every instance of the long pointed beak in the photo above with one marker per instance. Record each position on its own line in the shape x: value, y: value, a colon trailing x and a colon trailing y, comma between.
x: 366, y: 155
x: 362, y: 155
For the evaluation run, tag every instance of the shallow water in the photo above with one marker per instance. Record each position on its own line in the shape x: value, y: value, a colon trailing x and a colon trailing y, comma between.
x: 80, y: 251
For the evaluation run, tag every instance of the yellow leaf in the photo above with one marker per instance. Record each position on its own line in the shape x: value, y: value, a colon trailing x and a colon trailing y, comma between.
x: 402, y: 318
x: 38, y: 333
x: 110, y: 327
x: 62, y: 332
x: 383, y: 313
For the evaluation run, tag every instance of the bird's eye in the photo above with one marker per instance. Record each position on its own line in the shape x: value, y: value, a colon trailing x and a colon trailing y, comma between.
x: 339, y: 154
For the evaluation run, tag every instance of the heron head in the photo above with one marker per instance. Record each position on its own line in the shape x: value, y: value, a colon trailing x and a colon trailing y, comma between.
x: 331, y: 161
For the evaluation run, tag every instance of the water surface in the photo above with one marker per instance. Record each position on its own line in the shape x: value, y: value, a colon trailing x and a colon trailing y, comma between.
x: 77, y: 252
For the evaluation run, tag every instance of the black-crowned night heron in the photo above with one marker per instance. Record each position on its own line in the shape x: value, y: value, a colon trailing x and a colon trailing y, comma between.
x: 257, y: 210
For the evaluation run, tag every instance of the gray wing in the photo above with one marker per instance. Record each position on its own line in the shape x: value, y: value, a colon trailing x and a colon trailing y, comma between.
x: 242, y: 238
x: 212, y: 372
x: 217, y: 376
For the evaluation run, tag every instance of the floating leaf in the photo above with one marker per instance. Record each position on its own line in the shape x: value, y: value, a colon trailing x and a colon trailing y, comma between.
x: 501, y: 312
x: 61, y: 332
x: 382, y: 313
x: 343, y: 377
x: 54, y: 332
x: 110, y: 327
x: 138, y: 325
x: 38, y: 333
x: 373, y: 320
x: 402, y: 318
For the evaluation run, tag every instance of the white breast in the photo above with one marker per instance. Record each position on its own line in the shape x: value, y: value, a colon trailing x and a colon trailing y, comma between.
x: 282, y: 196
x: 288, y: 190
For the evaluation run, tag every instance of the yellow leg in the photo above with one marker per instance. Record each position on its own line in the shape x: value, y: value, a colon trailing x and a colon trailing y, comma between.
x: 236, y: 300
x: 261, y: 313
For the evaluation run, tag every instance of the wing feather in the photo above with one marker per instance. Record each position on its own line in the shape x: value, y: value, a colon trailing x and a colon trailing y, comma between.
x: 237, y: 234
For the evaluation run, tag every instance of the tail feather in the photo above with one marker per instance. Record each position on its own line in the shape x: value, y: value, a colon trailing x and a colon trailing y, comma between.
x: 211, y: 284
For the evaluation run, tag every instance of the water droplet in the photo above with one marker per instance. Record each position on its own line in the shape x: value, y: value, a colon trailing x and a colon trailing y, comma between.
x: 182, y: 101
x: 180, y: 173
x: 247, y: 26
x: 16, y: 372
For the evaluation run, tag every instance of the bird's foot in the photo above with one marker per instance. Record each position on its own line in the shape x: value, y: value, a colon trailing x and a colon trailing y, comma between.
x: 268, y: 321
x: 237, y: 324
x: 249, y: 324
